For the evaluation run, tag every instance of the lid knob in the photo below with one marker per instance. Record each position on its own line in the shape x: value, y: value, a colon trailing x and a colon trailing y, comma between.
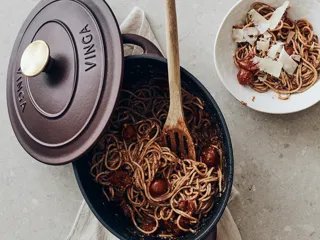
x: 36, y: 59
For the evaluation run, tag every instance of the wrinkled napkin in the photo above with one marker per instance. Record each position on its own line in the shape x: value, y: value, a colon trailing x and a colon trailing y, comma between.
x: 86, y: 225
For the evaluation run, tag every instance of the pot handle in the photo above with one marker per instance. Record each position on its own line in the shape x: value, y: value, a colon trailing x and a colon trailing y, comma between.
x: 147, y: 46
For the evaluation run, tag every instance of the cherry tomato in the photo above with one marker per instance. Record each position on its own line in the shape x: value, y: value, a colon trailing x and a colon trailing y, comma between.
x: 120, y: 179
x: 245, y: 77
x: 248, y: 65
x: 129, y: 132
x: 183, y: 205
x: 210, y: 156
x: 158, y: 187
x: 148, y: 227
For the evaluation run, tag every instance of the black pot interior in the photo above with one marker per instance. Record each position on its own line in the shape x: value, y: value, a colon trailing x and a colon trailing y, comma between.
x: 138, y: 70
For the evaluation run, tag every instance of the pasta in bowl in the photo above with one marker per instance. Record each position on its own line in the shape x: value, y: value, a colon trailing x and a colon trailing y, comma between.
x: 267, y: 55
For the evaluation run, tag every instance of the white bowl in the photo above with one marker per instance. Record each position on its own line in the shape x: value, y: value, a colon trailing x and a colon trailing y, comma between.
x: 225, y: 48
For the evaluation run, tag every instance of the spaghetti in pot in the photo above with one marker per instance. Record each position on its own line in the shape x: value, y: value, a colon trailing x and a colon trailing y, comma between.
x: 164, y: 195
x: 304, y: 43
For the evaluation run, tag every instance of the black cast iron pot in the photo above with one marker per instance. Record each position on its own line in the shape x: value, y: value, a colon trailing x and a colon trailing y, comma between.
x: 137, y: 69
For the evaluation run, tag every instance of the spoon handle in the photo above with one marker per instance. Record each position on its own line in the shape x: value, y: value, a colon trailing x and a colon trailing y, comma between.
x: 175, y: 110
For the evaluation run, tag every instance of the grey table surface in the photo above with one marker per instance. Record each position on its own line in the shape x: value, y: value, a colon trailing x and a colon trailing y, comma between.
x: 277, y: 165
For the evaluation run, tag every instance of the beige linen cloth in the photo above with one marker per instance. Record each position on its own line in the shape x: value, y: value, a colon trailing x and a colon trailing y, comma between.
x: 86, y: 226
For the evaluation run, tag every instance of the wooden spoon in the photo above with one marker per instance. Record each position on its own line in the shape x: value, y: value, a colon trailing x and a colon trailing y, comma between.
x: 175, y: 133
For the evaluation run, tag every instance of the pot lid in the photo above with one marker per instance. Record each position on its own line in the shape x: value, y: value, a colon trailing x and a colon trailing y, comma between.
x: 64, y: 77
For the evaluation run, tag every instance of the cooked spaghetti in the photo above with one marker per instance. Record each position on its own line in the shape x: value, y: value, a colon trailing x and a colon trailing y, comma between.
x: 164, y: 195
x: 298, y: 39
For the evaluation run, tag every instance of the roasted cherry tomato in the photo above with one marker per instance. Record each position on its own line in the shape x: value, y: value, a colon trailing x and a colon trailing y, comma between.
x: 210, y: 156
x: 129, y: 132
x: 158, y: 187
x: 245, y: 77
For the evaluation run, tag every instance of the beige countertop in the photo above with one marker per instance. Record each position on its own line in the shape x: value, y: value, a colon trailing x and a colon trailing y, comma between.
x: 277, y: 158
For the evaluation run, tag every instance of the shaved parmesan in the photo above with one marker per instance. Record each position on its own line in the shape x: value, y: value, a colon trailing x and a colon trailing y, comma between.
x: 290, y: 36
x: 251, y: 31
x: 268, y: 65
x: 250, y: 34
x: 259, y: 21
x: 263, y: 45
x: 273, y: 51
x: 264, y: 39
x: 289, y: 65
x: 267, y: 35
x: 297, y: 58
x: 277, y: 15
x: 262, y: 24
x: 251, y: 40
x: 245, y: 35
x: 237, y: 35
x: 263, y: 79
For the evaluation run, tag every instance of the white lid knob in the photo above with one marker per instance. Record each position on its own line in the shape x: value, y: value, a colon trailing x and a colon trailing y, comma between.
x: 35, y: 58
